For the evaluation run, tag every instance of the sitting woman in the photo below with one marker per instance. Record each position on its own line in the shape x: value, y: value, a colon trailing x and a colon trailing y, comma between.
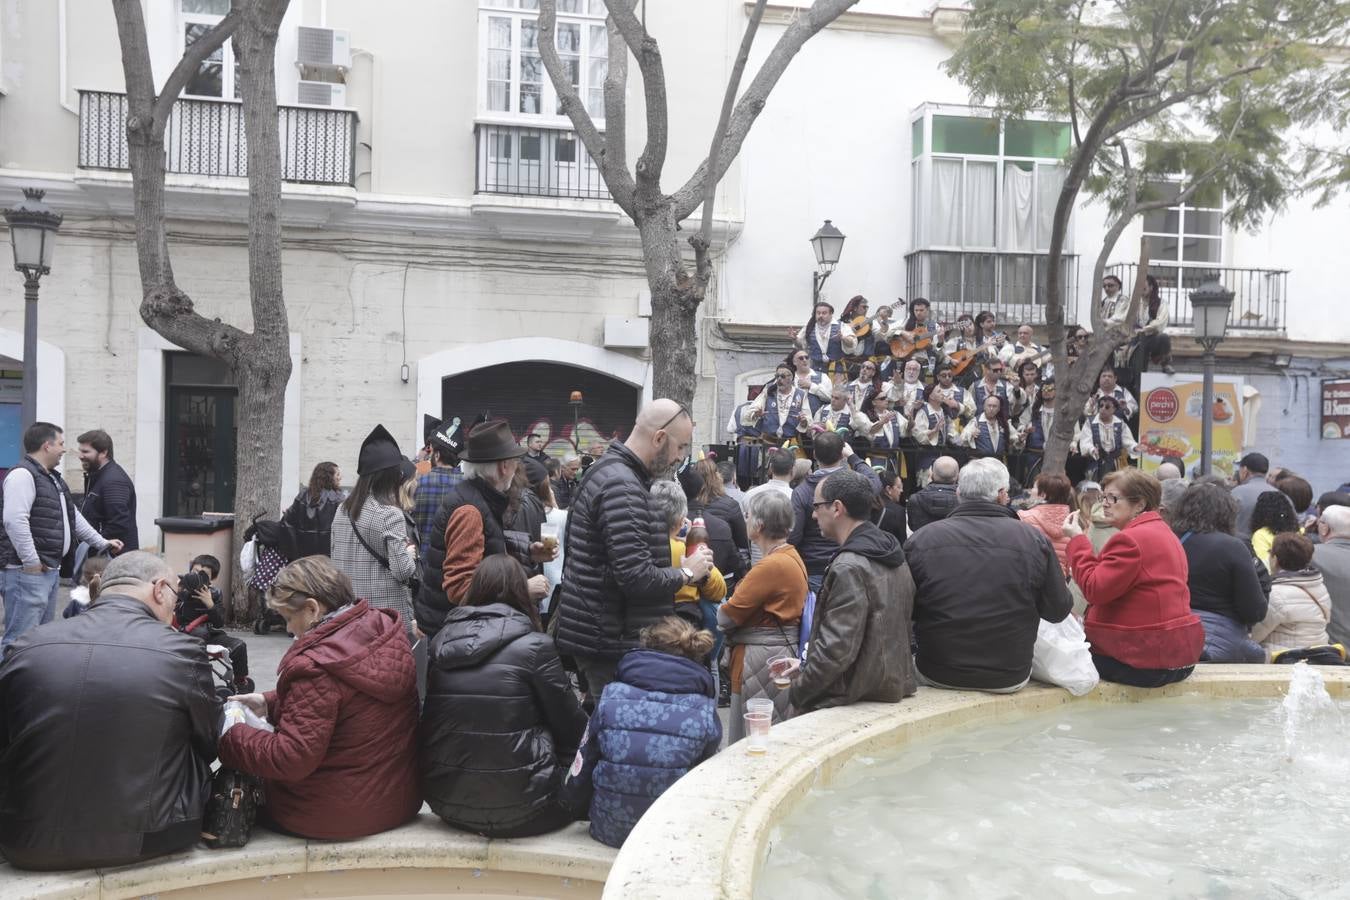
x: 1139, y: 620
x: 654, y: 722
x: 762, y: 619
x: 501, y: 720
x: 342, y: 761
x: 1225, y: 590
x: 1055, y: 494
x: 1300, y: 605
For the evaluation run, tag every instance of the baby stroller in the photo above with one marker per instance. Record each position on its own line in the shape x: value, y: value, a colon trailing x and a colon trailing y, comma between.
x: 274, y: 546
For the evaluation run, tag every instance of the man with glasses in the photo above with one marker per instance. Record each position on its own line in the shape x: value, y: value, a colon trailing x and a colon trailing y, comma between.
x: 1113, y: 300
x: 1107, y: 387
x: 816, y: 384
x: 816, y: 550
x: 956, y: 402
x: 108, y: 726
x: 859, y: 641
x: 991, y: 385
x: 617, y: 577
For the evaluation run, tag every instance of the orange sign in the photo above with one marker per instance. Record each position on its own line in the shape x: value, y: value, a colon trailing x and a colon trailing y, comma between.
x: 1171, y: 416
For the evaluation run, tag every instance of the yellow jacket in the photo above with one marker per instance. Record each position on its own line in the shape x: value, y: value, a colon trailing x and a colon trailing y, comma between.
x: 714, y: 587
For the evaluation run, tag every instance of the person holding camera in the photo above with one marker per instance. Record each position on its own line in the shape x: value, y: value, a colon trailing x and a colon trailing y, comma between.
x: 200, y: 613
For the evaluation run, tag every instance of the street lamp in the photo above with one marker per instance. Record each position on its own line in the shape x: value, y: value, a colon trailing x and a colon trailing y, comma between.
x: 32, y: 233
x: 828, y: 243
x: 1210, y: 304
x: 575, y: 399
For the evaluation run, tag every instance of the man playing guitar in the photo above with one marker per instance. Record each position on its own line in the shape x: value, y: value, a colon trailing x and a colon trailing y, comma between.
x: 917, y: 339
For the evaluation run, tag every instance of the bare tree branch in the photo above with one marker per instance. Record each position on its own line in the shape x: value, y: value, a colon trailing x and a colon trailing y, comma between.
x: 751, y: 104
x: 719, y: 133
x: 648, y: 54
x: 616, y: 110
x: 192, y: 60
x: 617, y: 177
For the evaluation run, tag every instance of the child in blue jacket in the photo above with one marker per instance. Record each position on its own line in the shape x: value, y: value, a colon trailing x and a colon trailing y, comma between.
x: 654, y: 722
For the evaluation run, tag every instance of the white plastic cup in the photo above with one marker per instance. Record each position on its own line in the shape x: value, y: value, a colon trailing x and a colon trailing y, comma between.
x: 757, y: 733
x: 780, y: 670
x: 760, y: 704
x: 548, y: 536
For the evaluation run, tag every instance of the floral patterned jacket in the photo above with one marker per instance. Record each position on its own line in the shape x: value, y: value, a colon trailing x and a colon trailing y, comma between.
x: 655, y: 722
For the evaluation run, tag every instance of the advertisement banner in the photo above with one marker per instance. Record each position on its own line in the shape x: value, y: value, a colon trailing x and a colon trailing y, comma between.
x: 1170, y: 417
x: 1336, y: 409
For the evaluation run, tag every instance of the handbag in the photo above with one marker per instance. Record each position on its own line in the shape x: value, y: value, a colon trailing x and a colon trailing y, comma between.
x: 414, y: 581
x: 231, y: 809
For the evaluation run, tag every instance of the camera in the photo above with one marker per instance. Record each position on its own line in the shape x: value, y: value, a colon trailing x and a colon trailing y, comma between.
x: 191, y: 583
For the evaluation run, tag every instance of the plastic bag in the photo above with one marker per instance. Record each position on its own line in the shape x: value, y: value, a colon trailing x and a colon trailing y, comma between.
x: 808, y: 618
x: 1062, y: 657
x: 248, y: 557
x: 237, y: 713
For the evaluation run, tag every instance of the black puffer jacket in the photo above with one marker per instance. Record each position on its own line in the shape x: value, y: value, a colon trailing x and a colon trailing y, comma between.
x: 501, y: 721
x: 931, y: 504
x: 110, y: 505
x: 616, y: 573
x: 311, y: 521
x: 108, y: 725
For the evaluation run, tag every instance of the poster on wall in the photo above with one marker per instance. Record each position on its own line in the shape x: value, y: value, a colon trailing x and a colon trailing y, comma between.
x: 1336, y: 409
x: 1170, y: 417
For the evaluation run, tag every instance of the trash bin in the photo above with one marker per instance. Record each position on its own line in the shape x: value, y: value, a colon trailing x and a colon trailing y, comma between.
x: 186, y: 537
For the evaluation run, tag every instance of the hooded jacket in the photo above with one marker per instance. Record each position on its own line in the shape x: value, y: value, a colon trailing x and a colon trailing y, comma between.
x: 108, y: 725
x: 976, y: 629
x: 859, y: 643
x: 342, y: 762
x: 501, y: 721
x: 815, y: 549
x: 1299, y: 611
x: 933, y: 503
x: 1048, y: 519
x: 653, y: 724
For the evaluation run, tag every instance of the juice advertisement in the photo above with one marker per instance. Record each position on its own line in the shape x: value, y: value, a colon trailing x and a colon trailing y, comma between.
x: 1170, y: 417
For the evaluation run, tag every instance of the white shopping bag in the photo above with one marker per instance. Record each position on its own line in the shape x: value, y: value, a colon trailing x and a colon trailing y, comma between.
x: 1062, y: 657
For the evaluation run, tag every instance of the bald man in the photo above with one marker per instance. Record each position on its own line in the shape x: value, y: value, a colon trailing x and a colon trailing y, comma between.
x: 936, y: 501
x: 617, y: 576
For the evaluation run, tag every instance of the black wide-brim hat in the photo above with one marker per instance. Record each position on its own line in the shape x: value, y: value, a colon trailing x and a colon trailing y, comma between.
x: 492, y: 442
x: 379, y: 451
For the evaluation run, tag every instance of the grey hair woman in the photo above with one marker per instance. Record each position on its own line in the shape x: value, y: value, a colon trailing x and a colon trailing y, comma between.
x: 763, y: 617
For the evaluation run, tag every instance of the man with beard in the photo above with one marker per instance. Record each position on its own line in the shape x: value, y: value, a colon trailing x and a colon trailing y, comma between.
x: 109, y: 496
x: 616, y: 573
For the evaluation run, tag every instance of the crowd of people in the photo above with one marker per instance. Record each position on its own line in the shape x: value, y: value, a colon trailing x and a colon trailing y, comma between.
x: 464, y: 639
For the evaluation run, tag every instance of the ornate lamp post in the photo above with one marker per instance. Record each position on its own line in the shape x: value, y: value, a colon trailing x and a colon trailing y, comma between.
x: 32, y: 233
x: 1210, y: 304
x: 828, y: 243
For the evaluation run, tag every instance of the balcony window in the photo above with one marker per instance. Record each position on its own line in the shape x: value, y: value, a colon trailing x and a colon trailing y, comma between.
x: 512, y: 79
x: 535, y: 162
x: 1189, y: 233
x: 218, y: 74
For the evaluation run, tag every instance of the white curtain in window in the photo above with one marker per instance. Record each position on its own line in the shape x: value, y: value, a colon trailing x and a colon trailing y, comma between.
x: 1049, y: 181
x: 981, y: 185
x: 1019, y: 227
x: 944, y: 226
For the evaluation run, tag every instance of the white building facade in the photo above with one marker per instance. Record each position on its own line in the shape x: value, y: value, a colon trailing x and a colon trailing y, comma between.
x: 450, y: 248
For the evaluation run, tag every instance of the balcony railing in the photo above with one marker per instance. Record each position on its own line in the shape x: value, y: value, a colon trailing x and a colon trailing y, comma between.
x: 1010, y: 285
x: 535, y: 162
x: 206, y: 137
x: 1258, y: 294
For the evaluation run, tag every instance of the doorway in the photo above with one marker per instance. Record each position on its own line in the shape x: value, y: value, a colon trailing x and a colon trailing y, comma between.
x: 200, y: 433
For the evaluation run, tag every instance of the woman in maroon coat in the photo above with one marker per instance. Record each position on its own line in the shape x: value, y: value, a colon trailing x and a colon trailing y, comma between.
x: 342, y: 762
x: 1139, y: 620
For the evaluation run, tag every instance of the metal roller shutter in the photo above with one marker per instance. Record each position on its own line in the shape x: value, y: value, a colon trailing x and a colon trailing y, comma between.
x: 533, y: 396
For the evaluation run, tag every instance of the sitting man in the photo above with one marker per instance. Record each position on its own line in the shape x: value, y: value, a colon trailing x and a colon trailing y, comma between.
x: 814, y: 546
x: 859, y: 643
x: 108, y: 726
x: 937, y: 500
x: 976, y: 630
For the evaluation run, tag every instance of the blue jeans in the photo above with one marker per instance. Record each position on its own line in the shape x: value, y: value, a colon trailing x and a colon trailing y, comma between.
x: 709, y: 610
x: 30, y: 601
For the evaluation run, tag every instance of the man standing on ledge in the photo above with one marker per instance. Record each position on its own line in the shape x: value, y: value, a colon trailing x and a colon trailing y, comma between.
x: 41, y: 528
x: 859, y: 642
x: 616, y: 576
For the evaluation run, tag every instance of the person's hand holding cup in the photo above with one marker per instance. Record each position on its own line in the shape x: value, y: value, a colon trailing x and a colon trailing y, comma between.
x: 782, y: 668
x: 548, y: 536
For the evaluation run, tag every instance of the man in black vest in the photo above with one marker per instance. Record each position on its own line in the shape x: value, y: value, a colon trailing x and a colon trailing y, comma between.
x: 109, y: 496
x: 41, y: 529
x: 471, y: 524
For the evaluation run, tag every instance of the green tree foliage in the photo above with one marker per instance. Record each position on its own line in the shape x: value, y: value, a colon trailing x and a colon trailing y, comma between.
x: 1216, y: 93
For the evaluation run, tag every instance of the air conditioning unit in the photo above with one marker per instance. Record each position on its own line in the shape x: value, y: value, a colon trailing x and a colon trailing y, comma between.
x: 321, y: 93
x: 323, y: 48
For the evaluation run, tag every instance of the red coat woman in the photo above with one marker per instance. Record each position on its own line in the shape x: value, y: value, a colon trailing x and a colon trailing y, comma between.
x: 342, y: 762
x: 1139, y: 620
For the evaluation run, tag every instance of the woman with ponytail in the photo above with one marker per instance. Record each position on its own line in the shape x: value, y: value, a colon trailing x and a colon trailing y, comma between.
x: 654, y: 722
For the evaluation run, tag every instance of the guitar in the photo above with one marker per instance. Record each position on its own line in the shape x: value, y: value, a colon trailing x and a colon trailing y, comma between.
x: 905, y: 344
x: 861, y: 325
x: 962, y: 359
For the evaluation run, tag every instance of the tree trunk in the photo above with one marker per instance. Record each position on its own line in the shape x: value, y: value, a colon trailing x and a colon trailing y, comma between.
x: 672, y: 332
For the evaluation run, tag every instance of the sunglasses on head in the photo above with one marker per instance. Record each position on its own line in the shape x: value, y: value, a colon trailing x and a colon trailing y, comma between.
x: 682, y: 411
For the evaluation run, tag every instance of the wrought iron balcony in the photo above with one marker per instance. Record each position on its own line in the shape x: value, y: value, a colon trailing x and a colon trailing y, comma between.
x: 535, y: 162
x: 1010, y: 285
x: 1258, y: 294
x: 206, y: 137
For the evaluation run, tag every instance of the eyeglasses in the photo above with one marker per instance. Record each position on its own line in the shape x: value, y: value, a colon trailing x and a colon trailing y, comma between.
x: 1111, y: 498
x: 680, y: 412
x: 820, y: 503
